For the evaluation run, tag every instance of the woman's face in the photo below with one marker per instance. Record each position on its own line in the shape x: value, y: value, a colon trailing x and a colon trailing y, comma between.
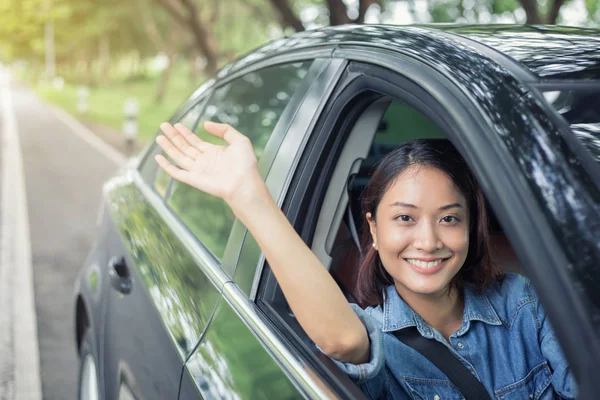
x: 421, y: 231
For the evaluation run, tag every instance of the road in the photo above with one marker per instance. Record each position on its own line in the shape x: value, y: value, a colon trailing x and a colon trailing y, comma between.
x: 63, y: 170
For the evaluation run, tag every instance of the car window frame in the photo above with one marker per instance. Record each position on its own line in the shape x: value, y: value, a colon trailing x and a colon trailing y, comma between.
x: 443, y: 90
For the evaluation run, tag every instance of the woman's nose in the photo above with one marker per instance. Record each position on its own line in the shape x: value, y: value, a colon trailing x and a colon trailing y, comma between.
x: 427, y: 239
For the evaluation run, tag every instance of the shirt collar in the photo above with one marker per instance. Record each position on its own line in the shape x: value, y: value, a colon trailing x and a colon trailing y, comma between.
x: 398, y: 315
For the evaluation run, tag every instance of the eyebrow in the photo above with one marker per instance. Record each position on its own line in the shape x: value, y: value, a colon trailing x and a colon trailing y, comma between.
x: 443, y: 208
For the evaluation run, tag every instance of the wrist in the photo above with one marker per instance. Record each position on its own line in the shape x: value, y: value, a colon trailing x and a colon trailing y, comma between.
x: 250, y: 193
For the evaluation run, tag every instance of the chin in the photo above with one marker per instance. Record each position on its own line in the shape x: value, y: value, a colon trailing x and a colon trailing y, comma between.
x: 433, y: 285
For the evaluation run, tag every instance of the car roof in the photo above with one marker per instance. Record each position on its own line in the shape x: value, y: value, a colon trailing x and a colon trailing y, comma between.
x: 544, y: 52
x: 550, y: 52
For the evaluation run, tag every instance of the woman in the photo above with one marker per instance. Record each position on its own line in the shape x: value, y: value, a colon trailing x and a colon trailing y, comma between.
x: 428, y: 267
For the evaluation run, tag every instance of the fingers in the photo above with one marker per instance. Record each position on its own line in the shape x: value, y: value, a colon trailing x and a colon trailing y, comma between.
x: 172, y: 170
x: 224, y: 131
x: 192, y: 139
x: 180, y: 136
x: 181, y: 159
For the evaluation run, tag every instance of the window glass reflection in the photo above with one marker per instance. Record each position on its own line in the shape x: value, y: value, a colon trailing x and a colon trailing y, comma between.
x: 253, y: 105
x: 189, y: 120
x: 581, y: 109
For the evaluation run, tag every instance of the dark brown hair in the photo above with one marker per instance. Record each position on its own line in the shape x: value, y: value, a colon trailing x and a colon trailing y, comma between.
x: 478, y: 268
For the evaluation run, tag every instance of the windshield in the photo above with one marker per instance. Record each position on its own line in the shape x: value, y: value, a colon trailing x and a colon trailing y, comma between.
x: 581, y: 109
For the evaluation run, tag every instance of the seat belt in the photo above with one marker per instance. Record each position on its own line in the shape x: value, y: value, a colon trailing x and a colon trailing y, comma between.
x: 436, y: 352
x: 350, y: 217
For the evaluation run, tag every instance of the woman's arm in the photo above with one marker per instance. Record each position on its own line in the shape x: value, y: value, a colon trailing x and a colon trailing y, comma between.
x: 230, y: 172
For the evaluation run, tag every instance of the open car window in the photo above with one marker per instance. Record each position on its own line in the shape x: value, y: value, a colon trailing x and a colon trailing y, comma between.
x: 383, y: 124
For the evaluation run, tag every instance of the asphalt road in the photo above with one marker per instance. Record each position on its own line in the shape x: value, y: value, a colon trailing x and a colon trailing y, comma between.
x: 63, y: 181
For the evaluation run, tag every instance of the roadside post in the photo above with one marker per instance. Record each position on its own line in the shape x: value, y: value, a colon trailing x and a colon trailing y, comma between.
x: 130, y: 126
x: 82, y: 98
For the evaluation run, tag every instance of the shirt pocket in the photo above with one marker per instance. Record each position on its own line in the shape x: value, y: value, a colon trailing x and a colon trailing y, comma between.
x: 431, y: 389
x: 534, y: 386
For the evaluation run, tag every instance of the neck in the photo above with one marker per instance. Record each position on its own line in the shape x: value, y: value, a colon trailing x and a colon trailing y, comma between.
x: 442, y: 311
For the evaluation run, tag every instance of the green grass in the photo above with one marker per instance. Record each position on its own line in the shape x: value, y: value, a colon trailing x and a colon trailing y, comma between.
x: 106, y: 102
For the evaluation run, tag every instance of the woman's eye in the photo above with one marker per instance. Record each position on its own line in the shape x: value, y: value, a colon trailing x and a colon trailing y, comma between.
x: 449, y: 219
x: 404, y: 218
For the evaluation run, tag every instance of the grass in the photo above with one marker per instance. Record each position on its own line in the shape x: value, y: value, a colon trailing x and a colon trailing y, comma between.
x: 106, y: 102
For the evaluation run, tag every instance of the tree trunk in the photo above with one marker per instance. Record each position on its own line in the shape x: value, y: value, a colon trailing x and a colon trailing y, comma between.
x: 363, y: 6
x: 531, y: 11
x: 186, y: 12
x: 554, y: 10
x: 104, y: 57
x: 287, y: 18
x: 338, y: 13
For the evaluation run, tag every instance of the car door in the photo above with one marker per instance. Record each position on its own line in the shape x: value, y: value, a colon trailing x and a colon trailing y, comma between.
x: 159, y: 301
x: 231, y: 360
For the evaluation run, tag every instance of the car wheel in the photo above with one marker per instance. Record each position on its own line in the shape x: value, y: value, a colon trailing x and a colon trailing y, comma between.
x: 88, y: 371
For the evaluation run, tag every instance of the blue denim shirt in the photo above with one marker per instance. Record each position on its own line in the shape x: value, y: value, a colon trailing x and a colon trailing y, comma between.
x: 505, y: 340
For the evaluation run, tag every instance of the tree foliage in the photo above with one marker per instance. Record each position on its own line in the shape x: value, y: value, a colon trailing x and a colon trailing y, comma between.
x: 91, y: 37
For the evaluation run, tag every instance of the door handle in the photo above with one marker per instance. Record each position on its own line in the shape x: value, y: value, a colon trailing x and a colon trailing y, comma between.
x: 119, y: 275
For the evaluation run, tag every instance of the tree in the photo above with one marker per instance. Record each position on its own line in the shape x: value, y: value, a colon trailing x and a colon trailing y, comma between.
x: 189, y: 15
x: 338, y: 12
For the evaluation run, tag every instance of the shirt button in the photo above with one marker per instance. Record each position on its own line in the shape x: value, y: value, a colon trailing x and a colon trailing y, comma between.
x: 436, y: 397
x: 460, y: 345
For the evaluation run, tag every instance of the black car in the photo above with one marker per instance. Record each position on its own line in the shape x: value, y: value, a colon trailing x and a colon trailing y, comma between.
x: 176, y: 299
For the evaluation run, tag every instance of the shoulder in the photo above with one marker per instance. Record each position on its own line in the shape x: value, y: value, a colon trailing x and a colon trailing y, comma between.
x: 510, y: 296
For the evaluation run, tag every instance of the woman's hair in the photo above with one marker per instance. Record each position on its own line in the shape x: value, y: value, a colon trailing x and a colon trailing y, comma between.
x: 478, y: 268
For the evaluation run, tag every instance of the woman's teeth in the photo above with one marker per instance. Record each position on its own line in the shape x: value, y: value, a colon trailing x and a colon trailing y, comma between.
x: 425, y: 264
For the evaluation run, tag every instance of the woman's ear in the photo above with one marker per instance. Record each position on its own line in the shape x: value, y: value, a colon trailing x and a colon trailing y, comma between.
x: 372, y: 229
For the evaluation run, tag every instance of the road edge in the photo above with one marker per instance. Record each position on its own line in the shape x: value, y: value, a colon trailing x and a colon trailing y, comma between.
x: 16, y: 255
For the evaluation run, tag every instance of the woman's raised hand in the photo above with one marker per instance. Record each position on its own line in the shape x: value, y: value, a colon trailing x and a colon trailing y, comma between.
x: 222, y: 171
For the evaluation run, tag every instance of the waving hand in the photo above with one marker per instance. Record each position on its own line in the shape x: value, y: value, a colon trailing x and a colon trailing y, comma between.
x: 221, y: 171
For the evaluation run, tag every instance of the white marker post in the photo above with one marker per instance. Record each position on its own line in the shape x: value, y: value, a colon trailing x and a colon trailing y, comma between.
x: 130, y: 127
x: 82, y: 98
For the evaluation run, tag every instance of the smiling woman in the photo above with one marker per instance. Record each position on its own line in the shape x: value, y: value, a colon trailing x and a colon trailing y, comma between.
x: 425, y: 212
x: 428, y: 268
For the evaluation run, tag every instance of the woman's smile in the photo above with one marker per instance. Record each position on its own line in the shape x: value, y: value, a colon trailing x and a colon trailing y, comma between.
x: 427, y: 266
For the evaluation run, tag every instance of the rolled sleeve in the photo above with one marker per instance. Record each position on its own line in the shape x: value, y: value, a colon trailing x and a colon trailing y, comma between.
x: 360, y: 373
x: 563, y: 381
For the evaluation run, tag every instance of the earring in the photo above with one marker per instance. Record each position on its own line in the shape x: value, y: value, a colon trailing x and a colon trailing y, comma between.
x: 374, y: 245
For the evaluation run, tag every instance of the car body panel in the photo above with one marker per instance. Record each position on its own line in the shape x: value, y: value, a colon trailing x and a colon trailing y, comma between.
x: 150, y: 331
x: 550, y: 52
x: 231, y: 363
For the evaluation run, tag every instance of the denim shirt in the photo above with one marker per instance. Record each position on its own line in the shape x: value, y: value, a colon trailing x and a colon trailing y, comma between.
x: 505, y: 340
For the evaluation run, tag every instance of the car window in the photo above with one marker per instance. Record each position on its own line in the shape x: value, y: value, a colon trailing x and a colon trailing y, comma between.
x: 189, y: 120
x: 581, y: 109
x: 252, y: 104
x: 400, y: 123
